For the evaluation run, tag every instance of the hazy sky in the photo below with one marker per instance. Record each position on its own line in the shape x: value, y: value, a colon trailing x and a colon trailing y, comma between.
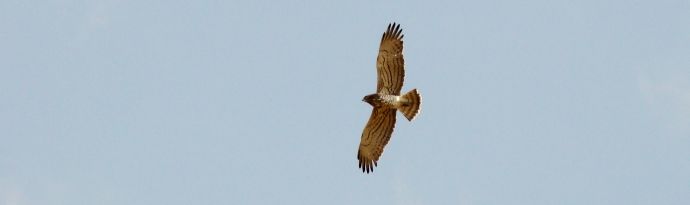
x: 259, y: 102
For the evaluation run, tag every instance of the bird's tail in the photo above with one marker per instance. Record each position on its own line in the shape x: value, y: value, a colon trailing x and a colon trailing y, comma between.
x: 411, y: 104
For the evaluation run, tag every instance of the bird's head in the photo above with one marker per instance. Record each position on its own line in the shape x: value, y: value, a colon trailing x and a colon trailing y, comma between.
x: 372, y: 99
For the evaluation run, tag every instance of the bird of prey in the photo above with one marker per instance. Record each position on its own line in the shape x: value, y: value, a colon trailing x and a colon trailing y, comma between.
x: 387, y: 99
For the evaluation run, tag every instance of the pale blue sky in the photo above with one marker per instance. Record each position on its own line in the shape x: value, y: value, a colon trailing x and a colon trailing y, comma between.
x: 258, y: 102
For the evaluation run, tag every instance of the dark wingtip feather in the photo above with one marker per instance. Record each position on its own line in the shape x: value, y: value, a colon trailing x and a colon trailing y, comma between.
x: 367, y: 166
x: 393, y: 32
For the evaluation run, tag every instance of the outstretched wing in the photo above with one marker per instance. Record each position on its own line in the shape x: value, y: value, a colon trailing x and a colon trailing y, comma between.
x: 375, y: 136
x: 390, y: 63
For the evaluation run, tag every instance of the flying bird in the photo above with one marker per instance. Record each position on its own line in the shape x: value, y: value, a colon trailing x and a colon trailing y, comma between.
x: 390, y: 68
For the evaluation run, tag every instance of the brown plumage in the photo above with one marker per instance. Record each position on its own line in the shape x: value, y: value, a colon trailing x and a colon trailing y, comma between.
x: 390, y: 70
x: 390, y: 65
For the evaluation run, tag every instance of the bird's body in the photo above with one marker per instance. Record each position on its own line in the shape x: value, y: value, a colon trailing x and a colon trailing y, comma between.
x: 387, y: 99
x: 384, y: 101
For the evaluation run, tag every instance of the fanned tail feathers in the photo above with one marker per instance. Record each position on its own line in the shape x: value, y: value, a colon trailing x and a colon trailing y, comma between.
x: 412, y: 102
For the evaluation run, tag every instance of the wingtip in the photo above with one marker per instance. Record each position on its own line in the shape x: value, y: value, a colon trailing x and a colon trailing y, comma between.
x: 393, y: 31
x: 367, y: 166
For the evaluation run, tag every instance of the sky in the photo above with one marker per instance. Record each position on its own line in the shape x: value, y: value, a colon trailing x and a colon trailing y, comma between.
x: 259, y: 102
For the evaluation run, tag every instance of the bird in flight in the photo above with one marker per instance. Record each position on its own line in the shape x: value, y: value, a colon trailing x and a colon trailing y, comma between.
x: 390, y: 69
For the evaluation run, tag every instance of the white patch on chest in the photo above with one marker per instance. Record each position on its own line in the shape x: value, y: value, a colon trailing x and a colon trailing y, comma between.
x: 394, y: 101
